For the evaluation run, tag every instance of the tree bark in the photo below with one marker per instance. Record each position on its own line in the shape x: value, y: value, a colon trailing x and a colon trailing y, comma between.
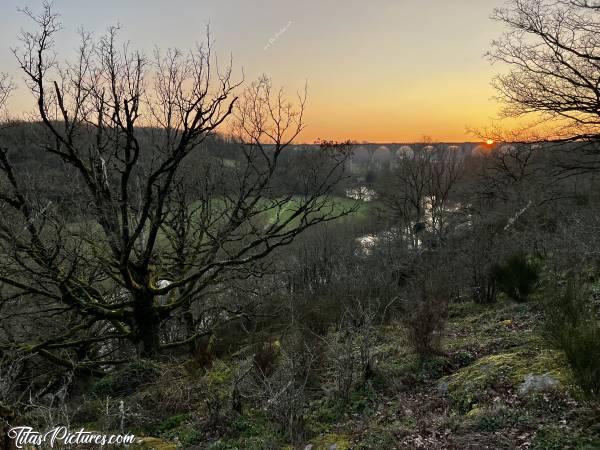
x: 147, y: 323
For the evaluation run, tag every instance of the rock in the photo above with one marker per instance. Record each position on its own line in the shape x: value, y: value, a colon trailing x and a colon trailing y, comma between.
x: 480, y: 380
x: 476, y: 411
x: 538, y: 383
x: 309, y: 447
x: 332, y: 441
x: 442, y: 387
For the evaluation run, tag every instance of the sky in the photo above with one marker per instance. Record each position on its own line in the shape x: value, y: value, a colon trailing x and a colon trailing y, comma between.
x: 377, y: 71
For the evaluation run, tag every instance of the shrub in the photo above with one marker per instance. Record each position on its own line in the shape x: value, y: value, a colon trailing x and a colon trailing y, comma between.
x: 517, y: 277
x: 426, y: 313
x: 127, y: 379
x: 572, y: 326
x: 216, y: 386
x: 351, y: 348
x: 265, y: 358
x: 552, y: 438
x: 172, y: 422
x: 485, y: 288
x: 282, y: 392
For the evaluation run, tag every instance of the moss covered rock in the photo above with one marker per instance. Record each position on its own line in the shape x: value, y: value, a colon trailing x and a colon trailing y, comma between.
x: 482, y: 380
x: 331, y: 441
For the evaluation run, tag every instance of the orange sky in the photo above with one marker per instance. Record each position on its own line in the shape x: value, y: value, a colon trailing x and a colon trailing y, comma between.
x: 379, y: 71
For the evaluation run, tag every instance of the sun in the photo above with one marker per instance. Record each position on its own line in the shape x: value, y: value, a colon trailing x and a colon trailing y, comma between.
x: 489, y: 142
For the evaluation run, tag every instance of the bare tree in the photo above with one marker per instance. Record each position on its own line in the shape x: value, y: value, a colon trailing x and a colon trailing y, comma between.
x: 6, y: 87
x: 163, y: 225
x: 553, y: 51
x: 418, y: 194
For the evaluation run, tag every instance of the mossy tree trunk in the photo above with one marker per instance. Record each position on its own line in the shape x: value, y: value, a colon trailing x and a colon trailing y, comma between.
x: 147, y: 325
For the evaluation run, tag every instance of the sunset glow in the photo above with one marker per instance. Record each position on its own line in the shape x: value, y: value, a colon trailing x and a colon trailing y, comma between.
x: 390, y: 72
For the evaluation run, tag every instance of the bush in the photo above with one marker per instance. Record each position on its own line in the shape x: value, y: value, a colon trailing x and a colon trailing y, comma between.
x: 282, y: 392
x: 572, y: 326
x: 517, y: 277
x: 426, y: 313
x: 128, y: 379
x: 172, y: 422
x: 216, y: 386
x: 351, y: 348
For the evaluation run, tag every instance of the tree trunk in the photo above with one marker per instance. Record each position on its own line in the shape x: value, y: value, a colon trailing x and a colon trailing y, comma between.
x: 190, y: 327
x: 147, y: 323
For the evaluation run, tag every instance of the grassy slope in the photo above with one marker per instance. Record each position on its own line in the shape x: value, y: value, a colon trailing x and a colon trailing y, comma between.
x: 336, y: 205
x: 467, y: 400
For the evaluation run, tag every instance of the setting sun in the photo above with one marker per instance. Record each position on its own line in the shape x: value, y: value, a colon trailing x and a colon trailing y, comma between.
x: 489, y: 142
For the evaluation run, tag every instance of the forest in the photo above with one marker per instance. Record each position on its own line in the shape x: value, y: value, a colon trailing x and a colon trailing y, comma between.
x: 176, y: 265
